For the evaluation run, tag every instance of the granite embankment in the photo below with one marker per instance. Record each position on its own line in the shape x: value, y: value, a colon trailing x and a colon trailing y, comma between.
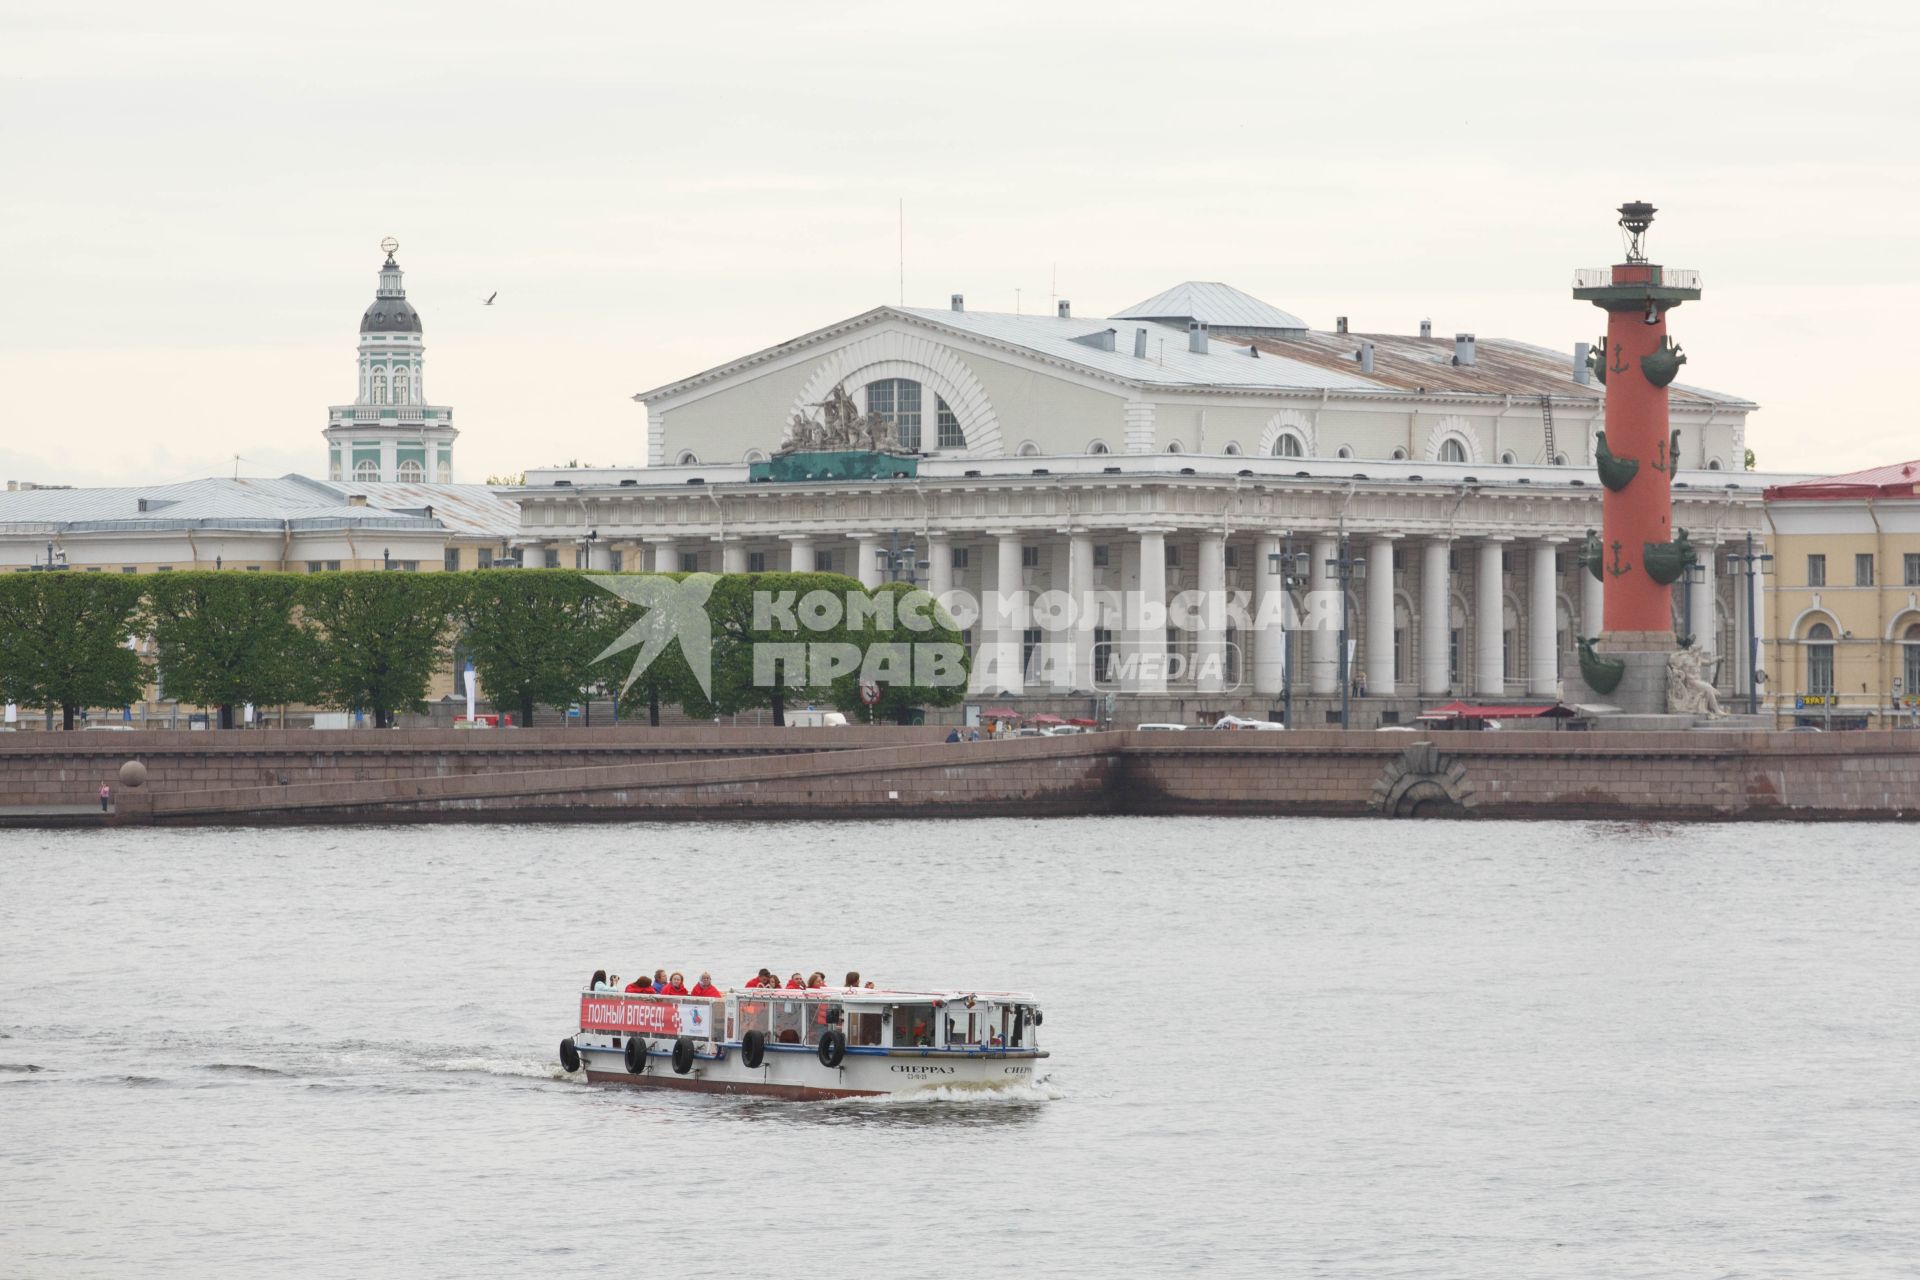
x: 710, y: 772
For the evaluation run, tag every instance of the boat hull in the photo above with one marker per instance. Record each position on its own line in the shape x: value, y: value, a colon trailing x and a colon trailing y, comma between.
x: 802, y: 1077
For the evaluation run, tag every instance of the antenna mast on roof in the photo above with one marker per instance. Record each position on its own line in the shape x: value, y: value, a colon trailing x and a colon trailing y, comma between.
x: 903, y: 251
x: 237, y: 460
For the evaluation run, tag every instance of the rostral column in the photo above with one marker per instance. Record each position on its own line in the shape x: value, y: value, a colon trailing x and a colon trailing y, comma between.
x: 1637, y: 557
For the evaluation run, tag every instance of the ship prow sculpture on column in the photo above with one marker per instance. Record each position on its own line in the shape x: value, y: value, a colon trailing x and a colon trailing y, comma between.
x: 1637, y: 555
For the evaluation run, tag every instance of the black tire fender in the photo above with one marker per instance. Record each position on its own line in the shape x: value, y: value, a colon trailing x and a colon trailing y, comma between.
x: 636, y: 1054
x: 569, y: 1055
x: 833, y: 1047
x: 1038, y: 1018
x: 683, y: 1055
x: 753, y: 1050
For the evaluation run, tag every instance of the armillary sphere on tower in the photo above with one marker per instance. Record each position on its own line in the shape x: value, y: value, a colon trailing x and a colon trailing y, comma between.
x: 389, y: 246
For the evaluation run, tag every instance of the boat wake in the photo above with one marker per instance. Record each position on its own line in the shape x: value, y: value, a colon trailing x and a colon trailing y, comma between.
x: 1019, y: 1094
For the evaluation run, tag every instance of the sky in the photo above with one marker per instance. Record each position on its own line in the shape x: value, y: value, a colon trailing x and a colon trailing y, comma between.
x: 195, y: 194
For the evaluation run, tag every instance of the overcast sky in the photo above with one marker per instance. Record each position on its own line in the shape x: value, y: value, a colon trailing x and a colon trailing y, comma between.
x: 194, y: 196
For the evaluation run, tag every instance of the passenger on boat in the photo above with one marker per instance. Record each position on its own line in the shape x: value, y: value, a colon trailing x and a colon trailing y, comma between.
x: 660, y: 980
x: 705, y: 988
x: 761, y: 979
x: 796, y: 984
x: 641, y: 986
x: 853, y: 979
x: 613, y: 982
x: 816, y: 979
x: 676, y: 985
x: 598, y: 982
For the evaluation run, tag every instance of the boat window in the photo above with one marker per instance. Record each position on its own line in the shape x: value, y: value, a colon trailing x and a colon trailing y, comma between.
x: 912, y: 1025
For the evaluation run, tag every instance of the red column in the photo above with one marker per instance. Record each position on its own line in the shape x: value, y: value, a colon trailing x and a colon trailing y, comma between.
x: 1636, y: 428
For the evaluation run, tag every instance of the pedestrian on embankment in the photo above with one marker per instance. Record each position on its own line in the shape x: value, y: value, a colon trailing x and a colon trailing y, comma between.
x: 106, y: 797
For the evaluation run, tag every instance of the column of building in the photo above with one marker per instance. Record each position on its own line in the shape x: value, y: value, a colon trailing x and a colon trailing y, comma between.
x: 1436, y: 614
x: 1379, y: 619
x: 1489, y: 657
x: 1543, y: 646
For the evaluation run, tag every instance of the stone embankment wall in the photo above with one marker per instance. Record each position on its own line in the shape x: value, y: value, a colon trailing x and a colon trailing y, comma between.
x: 709, y: 772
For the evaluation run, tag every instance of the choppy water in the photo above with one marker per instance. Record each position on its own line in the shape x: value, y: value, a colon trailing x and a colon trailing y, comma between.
x: 1293, y: 1048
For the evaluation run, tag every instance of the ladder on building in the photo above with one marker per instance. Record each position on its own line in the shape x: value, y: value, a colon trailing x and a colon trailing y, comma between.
x: 1546, y: 427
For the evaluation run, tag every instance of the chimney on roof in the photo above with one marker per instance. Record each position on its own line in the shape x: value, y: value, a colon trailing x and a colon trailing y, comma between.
x: 1139, y: 344
x: 1066, y: 309
x: 1463, y: 348
x: 1197, y: 336
x: 1426, y: 328
x: 1253, y: 351
x: 959, y: 302
x: 1365, y: 356
x: 1339, y: 324
x: 1582, y: 374
x: 142, y: 504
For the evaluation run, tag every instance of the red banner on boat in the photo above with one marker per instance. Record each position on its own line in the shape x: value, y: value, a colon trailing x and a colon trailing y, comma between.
x: 647, y: 1017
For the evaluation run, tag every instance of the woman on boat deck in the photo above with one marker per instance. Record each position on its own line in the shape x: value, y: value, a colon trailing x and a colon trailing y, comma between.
x: 676, y: 985
x: 640, y: 986
x: 706, y: 989
x: 598, y: 982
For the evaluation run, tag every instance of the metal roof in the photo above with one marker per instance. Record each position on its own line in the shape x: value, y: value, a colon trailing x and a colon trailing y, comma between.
x: 248, y: 502
x: 1897, y: 480
x: 1217, y: 305
x: 1168, y: 362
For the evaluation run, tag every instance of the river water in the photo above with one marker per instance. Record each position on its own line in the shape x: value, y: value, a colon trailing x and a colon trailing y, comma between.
x: 1302, y: 1048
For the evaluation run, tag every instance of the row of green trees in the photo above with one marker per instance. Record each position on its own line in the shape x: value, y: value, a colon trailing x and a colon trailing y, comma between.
x: 373, y: 642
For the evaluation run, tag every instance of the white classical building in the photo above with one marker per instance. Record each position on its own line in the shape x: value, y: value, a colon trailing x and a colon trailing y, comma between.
x: 390, y: 433
x: 1190, y: 442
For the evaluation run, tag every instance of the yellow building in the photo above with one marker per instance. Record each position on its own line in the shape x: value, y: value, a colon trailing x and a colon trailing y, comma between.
x: 1844, y: 649
x: 290, y: 524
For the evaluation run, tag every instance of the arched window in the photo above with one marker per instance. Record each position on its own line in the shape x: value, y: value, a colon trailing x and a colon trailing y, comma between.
x: 1910, y: 644
x: 379, y: 388
x: 898, y: 401
x: 1820, y: 659
x: 410, y: 472
x: 400, y: 387
x: 951, y: 436
x: 1713, y: 464
x: 755, y: 455
x: 687, y: 458
x: 1399, y: 454
x: 1173, y: 446
x: 1287, y: 445
x: 1098, y: 446
x: 1233, y: 449
x: 1029, y: 450
x: 1506, y: 458
x: 444, y: 472
x: 1452, y: 450
x: 1344, y: 451
x: 366, y: 469
x: 1559, y: 459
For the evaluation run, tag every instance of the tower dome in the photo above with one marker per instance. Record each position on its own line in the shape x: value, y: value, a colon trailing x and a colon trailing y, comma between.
x: 390, y: 312
x: 390, y: 433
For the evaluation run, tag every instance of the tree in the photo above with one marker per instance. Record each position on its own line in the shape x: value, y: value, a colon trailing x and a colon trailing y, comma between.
x: 769, y: 649
x: 229, y: 638
x: 667, y: 680
x: 64, y: 641
x: 378, y: 637
x: 912, y: 649
x: 1749, y: 460
x: 532, y: 634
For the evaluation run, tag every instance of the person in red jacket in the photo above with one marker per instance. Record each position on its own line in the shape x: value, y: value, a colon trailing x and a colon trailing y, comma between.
x: 676, y: 985
x: 795, y: 983
x: 706, y: 990
x: 642, y: 986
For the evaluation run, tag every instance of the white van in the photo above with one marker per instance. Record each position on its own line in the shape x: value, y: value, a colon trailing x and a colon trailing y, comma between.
x: 1163, y: 728
x: 1241, y: 722
x: 816, y: 720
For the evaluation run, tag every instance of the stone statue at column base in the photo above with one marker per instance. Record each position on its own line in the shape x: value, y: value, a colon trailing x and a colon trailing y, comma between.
x: 1689, y: 692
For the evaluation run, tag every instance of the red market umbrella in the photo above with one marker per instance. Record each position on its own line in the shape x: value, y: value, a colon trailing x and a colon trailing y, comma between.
x: 1084, y: 723
x: 1048, y: 718
x: 1000, y: 713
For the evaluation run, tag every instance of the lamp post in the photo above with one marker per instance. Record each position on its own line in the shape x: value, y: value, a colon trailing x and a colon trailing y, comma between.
x: 386, y: 558
x: 897, y: 564
x: 1754, y: 565
x: 1292, y: 566
x: 1348, y: 569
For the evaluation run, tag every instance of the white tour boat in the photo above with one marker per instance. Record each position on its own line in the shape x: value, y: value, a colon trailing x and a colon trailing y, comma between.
x: 821, y: 1042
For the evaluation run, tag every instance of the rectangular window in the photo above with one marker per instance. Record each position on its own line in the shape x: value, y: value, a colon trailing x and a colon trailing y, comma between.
x: 96, y: 568
x: 616, y: 560
x: 1103, y: 659
x: 898, y: 401
x: 1912, y: 563
x: 253, y: 568
x: 553, y: 558
x: 1453, y: 658
x: 1233, y: 556
x: 451, y: 560
x: 1029, y: 645
x: 1029, y: 557
x: 1910, y: 687
x: 959, y: 557
x: 689, y: 562
x: 1820, y: 670
x: 823, y: 562
x: 756, y: 562
x: 409, y: 566
x: 1863, y: 571
x: 483, y: 558
x: 164, y: 568
x: 1510, y: 656
x: 313, y: 566
x: 1173, y: 556
x: 127, y: 568
x: 1816, y: 571
x: 1100, y: 555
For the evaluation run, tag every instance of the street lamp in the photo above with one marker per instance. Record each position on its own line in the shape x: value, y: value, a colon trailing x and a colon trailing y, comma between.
x: 1292, y: 566
x: 897, y: 564
x: 1347, y: 569
x: 386, y: 560
x: 1754, y: 565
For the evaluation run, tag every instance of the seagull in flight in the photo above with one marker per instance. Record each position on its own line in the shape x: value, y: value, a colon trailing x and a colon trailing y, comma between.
x: 490, y: 298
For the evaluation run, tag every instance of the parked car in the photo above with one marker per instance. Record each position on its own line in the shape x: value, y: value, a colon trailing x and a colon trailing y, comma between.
x: 1241, y: 722
x: 1169, y: 728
